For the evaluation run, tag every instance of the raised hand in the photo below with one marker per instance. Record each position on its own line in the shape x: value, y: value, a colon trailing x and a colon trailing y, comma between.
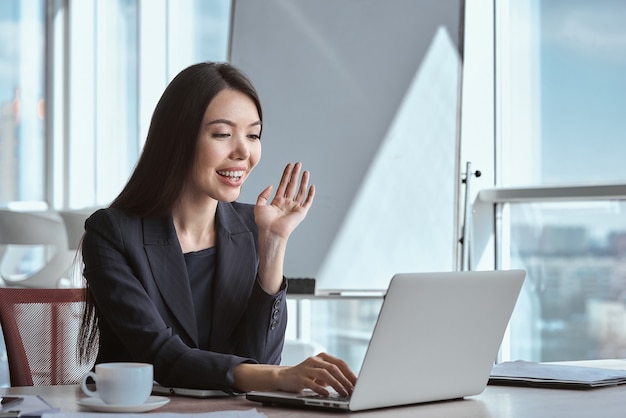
x: 277, y: 220
x: 289, y: 206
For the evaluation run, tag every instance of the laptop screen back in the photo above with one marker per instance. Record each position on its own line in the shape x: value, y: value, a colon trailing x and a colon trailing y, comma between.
x: 437, y: 337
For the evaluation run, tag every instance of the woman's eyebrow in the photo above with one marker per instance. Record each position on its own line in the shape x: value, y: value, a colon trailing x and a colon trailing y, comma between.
x: 231, y: 123
x: 218, y: 121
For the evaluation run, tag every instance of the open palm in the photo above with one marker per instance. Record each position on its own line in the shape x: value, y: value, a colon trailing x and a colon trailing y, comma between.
x: 289, y: 206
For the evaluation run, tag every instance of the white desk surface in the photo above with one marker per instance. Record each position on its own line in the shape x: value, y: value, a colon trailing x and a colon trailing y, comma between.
x: 495, y: 401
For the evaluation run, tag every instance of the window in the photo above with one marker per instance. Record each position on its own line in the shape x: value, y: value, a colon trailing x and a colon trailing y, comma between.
x: 21, y: 101
x: 121, y: 54
x: 563, y: 91
x: 98, y: 67
x: 561, y: 78
x: 576, y: 286
x: 104, y: 65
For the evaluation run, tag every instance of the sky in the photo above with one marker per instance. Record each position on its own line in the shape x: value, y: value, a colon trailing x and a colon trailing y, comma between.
x: 583, y: 85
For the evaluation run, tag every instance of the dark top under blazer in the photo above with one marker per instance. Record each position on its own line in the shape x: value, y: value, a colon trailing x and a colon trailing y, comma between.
x: 136, y: 271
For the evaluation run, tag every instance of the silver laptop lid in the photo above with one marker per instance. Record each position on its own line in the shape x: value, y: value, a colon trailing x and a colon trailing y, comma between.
x: 437, y: 337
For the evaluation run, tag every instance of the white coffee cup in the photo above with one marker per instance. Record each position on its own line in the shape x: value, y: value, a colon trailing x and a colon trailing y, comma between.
x: 121, y: 383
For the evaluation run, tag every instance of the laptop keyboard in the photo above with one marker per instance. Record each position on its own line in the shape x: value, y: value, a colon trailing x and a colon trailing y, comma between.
x: 331, y: 397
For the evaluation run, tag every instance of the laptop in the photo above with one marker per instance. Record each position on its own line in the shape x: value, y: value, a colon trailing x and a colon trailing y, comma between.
x: 436, y: 338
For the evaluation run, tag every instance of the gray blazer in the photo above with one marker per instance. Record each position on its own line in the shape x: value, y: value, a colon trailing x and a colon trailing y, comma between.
x: 136, y: 271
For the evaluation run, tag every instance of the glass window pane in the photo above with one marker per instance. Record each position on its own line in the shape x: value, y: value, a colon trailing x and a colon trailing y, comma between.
x: 563, y: 84
x: 103, y: 118
x: 573, y: 304
x: 21, y: 100
x: 197, y: 31
x: 116, y: 107
x: 107, y: 96
x: 339, y: 326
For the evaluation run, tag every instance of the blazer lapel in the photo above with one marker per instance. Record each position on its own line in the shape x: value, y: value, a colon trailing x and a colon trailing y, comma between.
x: 170, y: 272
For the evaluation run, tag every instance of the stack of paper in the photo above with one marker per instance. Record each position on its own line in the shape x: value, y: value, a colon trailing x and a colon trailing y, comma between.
x: 524, y: 373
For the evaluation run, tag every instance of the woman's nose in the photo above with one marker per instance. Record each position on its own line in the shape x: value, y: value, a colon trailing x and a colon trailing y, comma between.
x: 241, y: 147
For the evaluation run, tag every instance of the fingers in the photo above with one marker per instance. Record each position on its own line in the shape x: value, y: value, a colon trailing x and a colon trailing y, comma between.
x: 289, y: 189
x: 304, y: 182
x: 264, y: 196
x: 305, y: 193
x: 326, y: 371
x: 309, y: 198
x: 284, y: 181
x: 342, y: 365
x: 292, y: 171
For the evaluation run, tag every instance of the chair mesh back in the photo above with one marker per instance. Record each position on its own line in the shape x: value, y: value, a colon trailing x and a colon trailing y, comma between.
x: 40, y: 328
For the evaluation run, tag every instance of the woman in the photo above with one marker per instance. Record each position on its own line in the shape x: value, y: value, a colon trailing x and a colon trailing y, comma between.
x: 179, y: 274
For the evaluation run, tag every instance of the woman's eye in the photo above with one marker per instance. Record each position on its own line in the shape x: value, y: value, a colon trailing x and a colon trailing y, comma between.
x: 254, y: 136
x: 220, y: 135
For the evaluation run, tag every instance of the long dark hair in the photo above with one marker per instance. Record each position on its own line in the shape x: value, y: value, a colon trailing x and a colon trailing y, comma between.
x: 167, y: 157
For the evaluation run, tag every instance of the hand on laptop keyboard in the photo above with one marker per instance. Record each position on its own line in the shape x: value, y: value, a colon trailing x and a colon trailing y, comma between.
x: 318, y: 373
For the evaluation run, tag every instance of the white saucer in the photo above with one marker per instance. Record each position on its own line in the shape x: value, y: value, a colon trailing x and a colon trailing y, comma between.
x: 96, y: 404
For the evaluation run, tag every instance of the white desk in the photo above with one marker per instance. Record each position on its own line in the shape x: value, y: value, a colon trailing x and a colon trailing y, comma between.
x: 495, y: 401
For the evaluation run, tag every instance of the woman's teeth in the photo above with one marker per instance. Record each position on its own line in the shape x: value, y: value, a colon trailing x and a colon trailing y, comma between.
x: 235, y: 175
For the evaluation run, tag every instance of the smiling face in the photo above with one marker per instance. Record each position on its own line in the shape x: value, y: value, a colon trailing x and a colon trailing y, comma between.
x: 228, y: 147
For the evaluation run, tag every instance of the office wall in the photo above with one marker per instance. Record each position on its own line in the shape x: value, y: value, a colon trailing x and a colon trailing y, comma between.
x: 366, y: 94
